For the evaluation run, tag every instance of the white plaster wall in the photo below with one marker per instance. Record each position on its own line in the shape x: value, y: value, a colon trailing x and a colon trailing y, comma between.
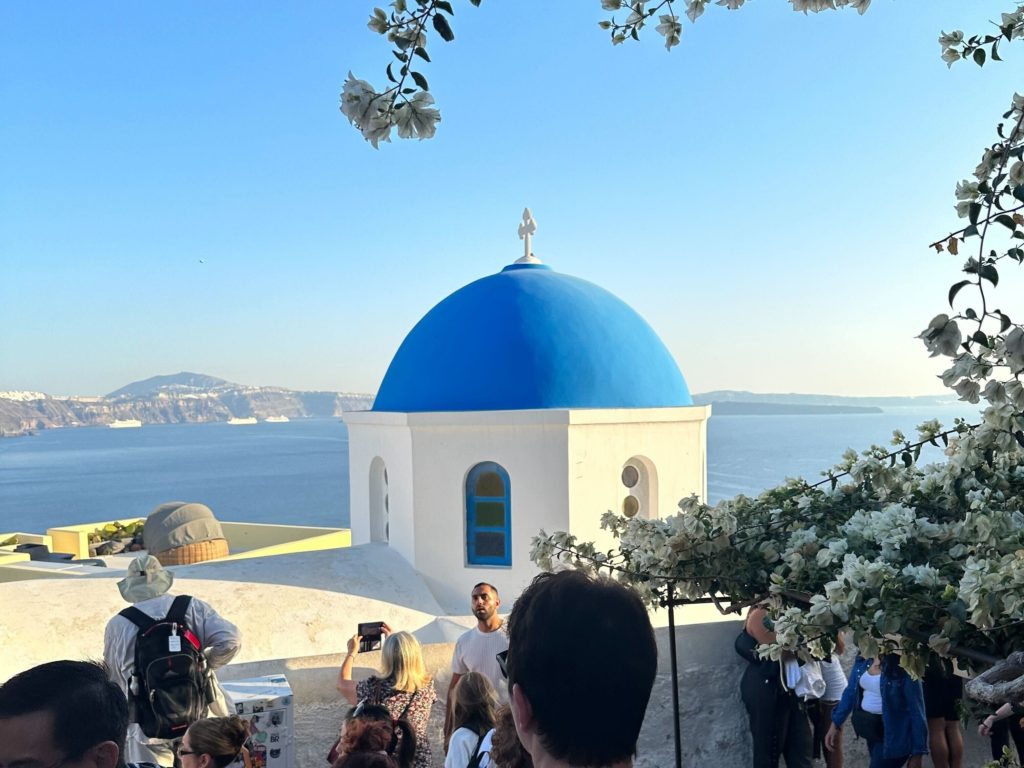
x: 387, y: 436
x: 673, y: 440
x: 533, y: 454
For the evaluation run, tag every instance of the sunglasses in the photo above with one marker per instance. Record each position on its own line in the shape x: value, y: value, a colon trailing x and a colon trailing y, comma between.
x: 183, y: 752
x: 503, y: 663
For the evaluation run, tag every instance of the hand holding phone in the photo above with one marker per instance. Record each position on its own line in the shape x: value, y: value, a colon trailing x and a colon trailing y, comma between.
x: 370, y: 636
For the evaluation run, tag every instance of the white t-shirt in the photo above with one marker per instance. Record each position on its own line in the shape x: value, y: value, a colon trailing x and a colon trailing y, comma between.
x: 835, y: 680
x: 475, y: 651
x: 462, y: 747
x: 872, y: 698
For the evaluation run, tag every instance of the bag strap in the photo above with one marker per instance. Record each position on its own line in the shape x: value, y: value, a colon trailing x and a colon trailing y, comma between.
x: 408, y: 704
x: 178, y: 609
x: 141, y: 620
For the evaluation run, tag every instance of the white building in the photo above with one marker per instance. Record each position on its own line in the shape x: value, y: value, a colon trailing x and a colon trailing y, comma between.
x: 526, y: 400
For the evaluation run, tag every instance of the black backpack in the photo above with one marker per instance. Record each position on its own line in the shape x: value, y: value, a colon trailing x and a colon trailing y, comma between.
x: 169, y: 685
x: 474, y: 762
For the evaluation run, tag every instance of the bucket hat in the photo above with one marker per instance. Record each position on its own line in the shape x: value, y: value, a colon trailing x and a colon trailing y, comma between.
x: 146, y: 579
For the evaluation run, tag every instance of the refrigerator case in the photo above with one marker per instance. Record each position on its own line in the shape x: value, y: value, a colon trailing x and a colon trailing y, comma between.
x: 267, y: 703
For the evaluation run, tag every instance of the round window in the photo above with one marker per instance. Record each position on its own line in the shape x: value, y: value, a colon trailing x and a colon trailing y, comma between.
x: 630, y: 506
x: 630, y: 476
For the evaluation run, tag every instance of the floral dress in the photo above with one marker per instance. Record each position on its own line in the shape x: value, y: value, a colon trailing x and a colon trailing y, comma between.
x: 414, y: 707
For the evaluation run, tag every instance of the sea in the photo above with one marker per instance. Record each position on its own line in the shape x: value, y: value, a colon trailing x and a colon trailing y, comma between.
x: 297, y: 472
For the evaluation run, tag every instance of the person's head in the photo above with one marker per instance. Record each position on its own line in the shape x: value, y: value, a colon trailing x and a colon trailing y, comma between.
x: 368, y: 742
x: 214, y: 742
x: 370, y: 727
x: 146, y: 579
x: 475, y: 702
x: 63, y: 713
x: 569, y: 632
x: 506, y: 749
x: 484, y: 602
x: 402, y: 660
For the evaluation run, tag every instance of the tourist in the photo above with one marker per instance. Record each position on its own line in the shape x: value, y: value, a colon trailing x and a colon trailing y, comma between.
x: 476, y: 649
x: 473, y: 717
x: 1001, y: 728
x: 779, y: 726
x: 581, y: 664
x: 215, y: 742
x: 943, y: 692
x: 820, y: 711
x: 64, y: 713
x: 146, y: 587
x: 502, y: 743
x: 887, y: 707
x: 393, y: 737
x: 403, y: 686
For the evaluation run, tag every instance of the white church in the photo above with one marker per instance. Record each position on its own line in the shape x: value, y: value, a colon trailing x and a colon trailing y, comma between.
x: 526, y: 400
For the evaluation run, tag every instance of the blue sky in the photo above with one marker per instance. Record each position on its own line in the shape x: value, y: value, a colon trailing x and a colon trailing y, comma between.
x: 178, y: 190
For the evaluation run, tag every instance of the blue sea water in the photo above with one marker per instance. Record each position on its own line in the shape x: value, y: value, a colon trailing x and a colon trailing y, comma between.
x: 297, y: 472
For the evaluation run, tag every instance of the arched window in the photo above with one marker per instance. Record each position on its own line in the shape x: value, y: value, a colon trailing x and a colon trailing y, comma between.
x: 640, y: 478
x: 379, y: 523
x: 488, y: 515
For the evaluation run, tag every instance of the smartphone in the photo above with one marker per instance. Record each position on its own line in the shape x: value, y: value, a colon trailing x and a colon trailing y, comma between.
x: 371, y: 633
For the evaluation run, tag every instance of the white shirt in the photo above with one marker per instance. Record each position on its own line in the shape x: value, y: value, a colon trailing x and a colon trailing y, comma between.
x: 462, y: 747
x: 475, y: 651
x: 220, y: 641
x: 835, y: 680
x: 871, y: 701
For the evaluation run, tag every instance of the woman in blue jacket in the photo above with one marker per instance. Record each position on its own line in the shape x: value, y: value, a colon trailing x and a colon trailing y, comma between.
x: 888, y: 711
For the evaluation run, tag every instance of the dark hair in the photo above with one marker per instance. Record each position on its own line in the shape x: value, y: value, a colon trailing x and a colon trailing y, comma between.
x: 491, y: 587
x: 366, y: 760
x: 374, y: 730
x: 506, y: 749
x: 87, y: 707
x: 474, y: 703
x: 222, y: 738
x: 588, y: 641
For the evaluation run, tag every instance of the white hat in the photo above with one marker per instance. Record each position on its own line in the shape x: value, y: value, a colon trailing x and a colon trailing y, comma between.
x: 146, y: 579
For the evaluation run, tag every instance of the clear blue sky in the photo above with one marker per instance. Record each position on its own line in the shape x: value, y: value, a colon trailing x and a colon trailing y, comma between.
x: 178, y: 190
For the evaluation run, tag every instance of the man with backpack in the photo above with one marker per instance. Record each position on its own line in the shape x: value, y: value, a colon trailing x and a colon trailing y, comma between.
x: 162, y: 651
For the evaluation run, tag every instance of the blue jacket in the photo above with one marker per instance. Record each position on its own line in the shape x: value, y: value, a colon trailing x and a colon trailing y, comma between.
x: 906, y: 728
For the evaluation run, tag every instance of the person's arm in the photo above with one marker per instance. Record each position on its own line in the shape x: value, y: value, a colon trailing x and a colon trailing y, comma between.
x: 756, y: 628
x: 985, y: 729
x: 849, y: 697
x: 346, y: 685
x: 914, y: 694
x: 221, y: 639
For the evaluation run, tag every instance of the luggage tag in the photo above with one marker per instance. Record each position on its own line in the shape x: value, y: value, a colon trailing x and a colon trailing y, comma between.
x: 174, y: 641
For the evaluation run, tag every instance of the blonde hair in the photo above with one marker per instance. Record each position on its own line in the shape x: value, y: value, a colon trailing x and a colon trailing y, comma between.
x: 475, y: 702
x: 401, y: 660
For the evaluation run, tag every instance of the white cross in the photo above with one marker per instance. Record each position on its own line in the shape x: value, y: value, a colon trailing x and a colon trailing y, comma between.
x: 526, y: 230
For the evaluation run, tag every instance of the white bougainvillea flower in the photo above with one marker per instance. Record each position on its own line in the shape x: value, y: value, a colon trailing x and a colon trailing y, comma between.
x: 695, y: 8
x: 670, y: 29
x: 942, y: 336
x: 950, y: 39
x: 417, y: 118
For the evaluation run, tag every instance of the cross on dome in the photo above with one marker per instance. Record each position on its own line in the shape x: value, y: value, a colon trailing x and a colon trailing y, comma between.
x: 526, y: 230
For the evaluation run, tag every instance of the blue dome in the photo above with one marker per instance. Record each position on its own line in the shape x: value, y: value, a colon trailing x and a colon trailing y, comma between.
x: 529, y: 337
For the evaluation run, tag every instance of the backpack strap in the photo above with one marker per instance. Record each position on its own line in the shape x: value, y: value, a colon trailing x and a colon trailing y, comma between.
x: 178, y: 609
x: 138, y: 618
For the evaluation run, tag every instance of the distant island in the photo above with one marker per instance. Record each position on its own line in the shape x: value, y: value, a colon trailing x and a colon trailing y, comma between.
x: 729, y: 402
x: 174, y: 399
x: 195, y: 397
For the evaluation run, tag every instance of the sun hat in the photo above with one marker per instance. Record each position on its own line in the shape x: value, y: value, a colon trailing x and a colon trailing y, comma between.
x: 146, y: 579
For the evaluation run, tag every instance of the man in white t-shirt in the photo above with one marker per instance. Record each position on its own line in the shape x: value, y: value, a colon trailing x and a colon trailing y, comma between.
x: 476, y: 650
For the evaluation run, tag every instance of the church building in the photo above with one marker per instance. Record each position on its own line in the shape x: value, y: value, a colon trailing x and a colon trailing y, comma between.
x: 526, y: 400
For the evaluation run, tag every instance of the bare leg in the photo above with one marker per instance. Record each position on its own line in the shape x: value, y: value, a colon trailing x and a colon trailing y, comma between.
x: 939, y: 750
x: 955, y: 742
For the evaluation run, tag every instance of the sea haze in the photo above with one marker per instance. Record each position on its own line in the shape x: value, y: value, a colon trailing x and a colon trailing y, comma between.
x: 297, y: 472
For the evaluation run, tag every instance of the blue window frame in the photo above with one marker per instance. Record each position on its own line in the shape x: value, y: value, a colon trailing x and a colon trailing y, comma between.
x: 488, y: 515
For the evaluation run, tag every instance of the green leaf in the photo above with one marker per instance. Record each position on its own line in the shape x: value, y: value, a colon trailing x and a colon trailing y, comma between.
x: 1004, y: 322
x: 989, y: 273
x: 981, y: 338
x: 979, y: 57
x: 443, y: 29
x: 445, y: 6
x: 403, y: 57
x: 422, y: 53
x: 476, y: 3
x: 420, y: 80
x: 971, y: 231
x: 955, y: 289
x: 1018, y: 192
x: 973, y: 212
x: 389, y: 73
x: 1007, y: 221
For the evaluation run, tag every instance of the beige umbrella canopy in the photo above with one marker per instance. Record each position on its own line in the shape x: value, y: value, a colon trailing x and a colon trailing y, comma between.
x: 182, y: 533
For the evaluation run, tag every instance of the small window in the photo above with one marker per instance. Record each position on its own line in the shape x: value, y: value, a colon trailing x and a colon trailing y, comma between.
x: 488, y: 516
x: 630, y: 476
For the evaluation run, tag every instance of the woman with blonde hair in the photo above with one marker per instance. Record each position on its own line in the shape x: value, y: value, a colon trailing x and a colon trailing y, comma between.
x: 403, y: 686
x: 214, y: 742
x: 473, y: 717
